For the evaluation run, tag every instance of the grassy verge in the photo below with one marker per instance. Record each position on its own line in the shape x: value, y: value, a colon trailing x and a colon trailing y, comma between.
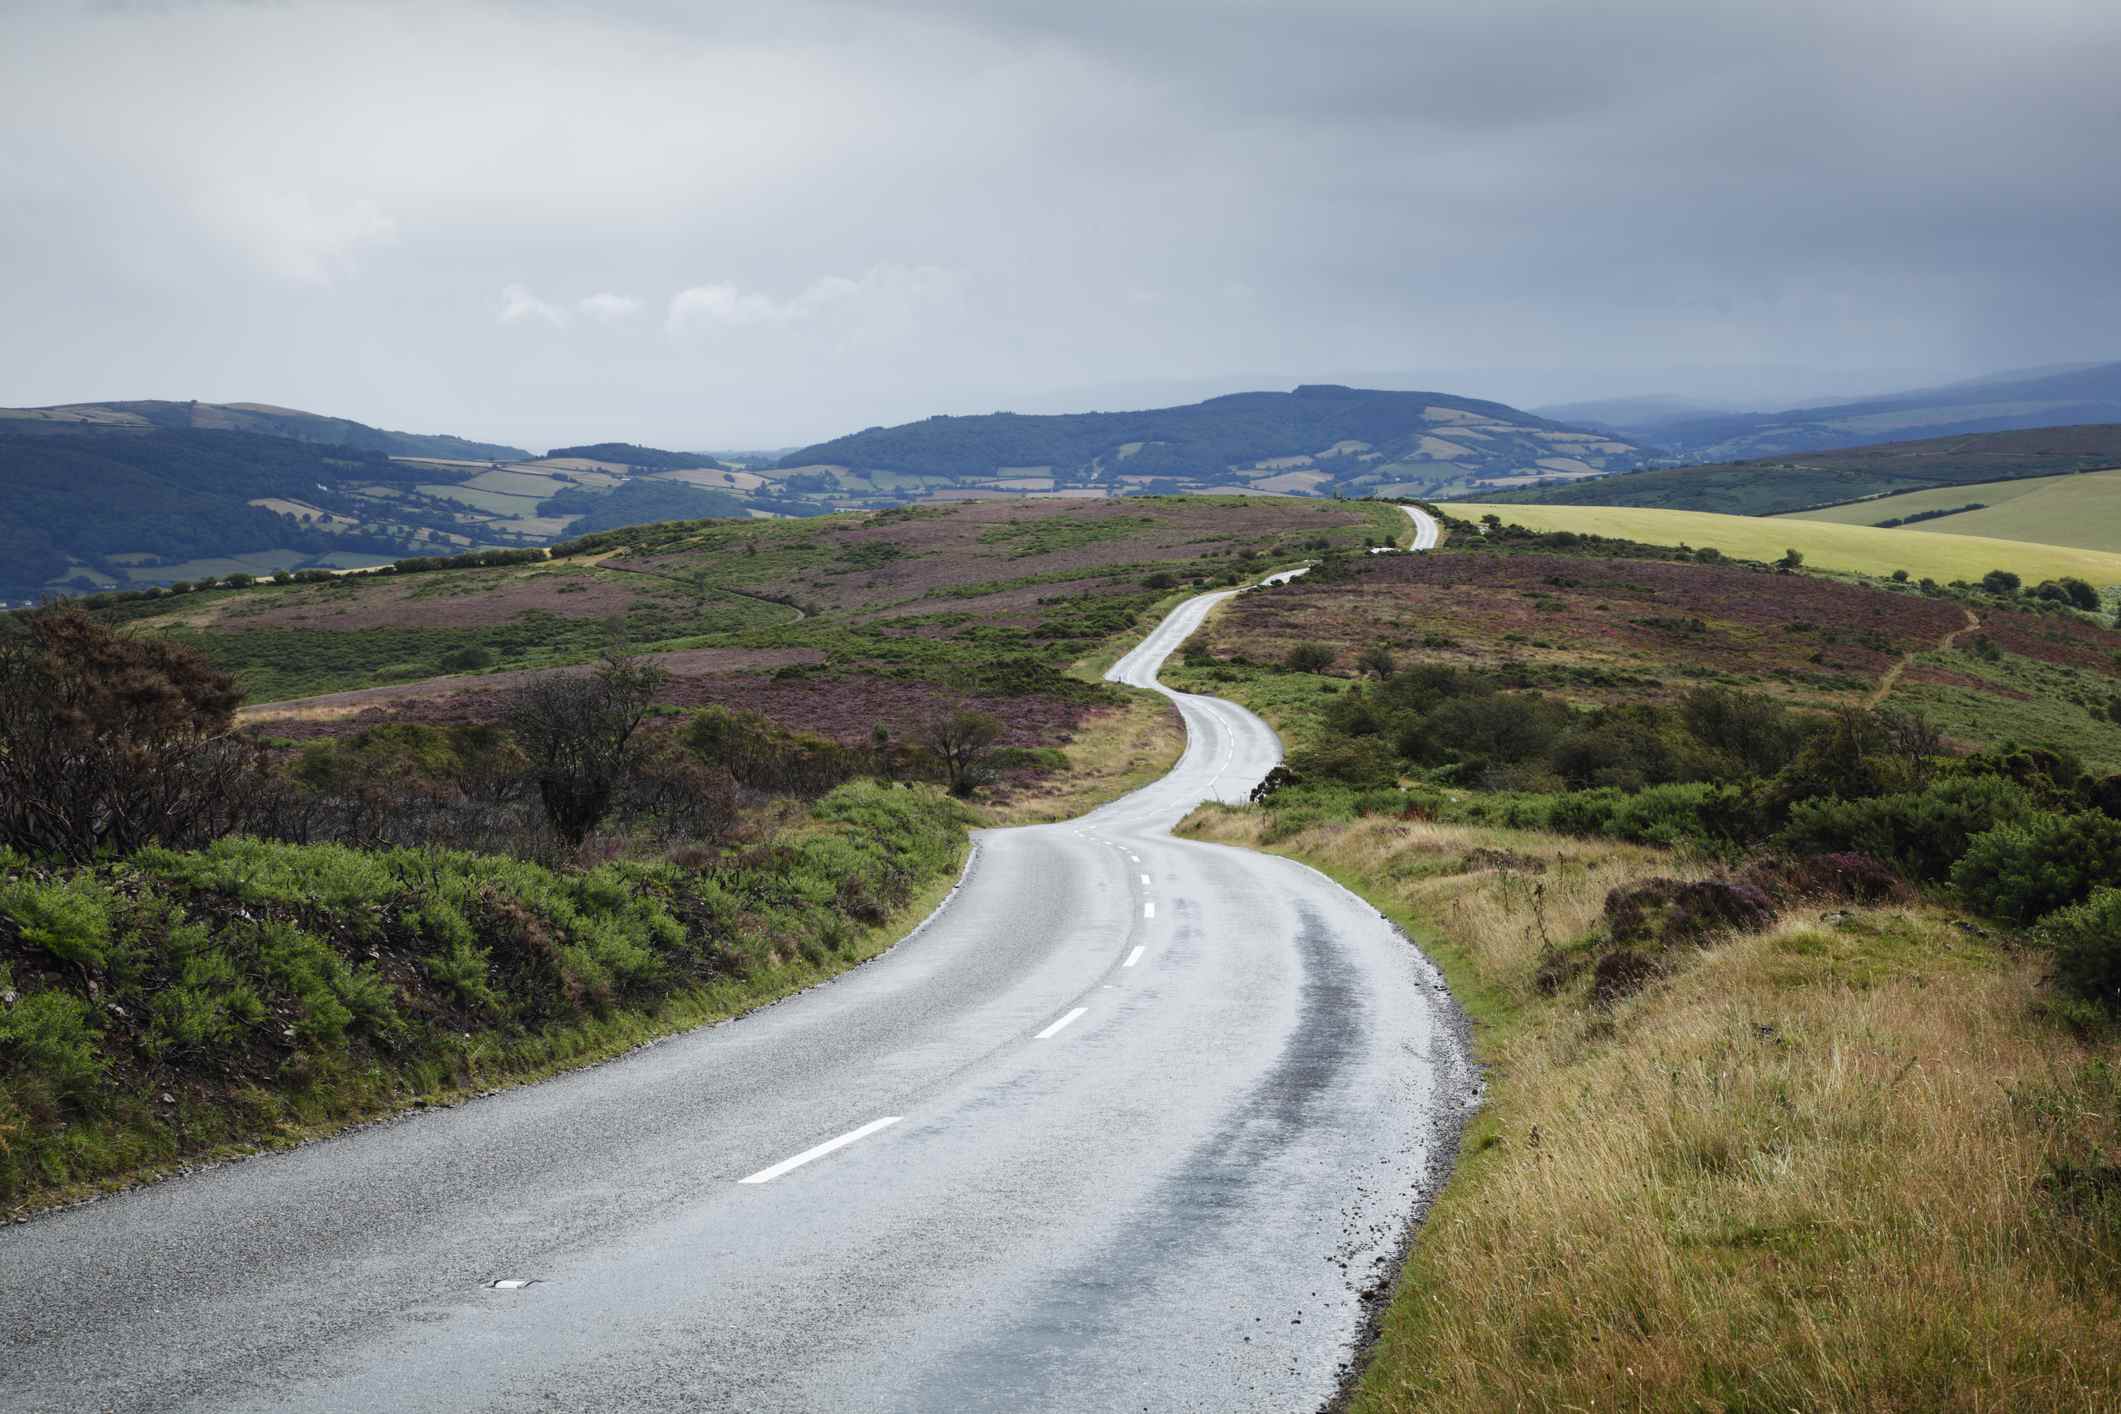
x: 1115, y: 752
x: 1852, y: 1160
x: 185, y: 1007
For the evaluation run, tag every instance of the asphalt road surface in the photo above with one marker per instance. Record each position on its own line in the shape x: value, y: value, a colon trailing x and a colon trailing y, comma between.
x: 1131, y: 1123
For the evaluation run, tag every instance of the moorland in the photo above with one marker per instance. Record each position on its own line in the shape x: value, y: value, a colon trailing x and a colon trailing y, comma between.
x: 1785, y: 910
x: 1779, y: 892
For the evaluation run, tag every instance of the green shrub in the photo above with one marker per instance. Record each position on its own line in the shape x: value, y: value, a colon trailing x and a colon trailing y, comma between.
x: 2026, y: 870
x: 1308, y: 658
x: 46, y: 1038
x: 69, y: 918
x: 1921, y: 833
x: 2086, y: 938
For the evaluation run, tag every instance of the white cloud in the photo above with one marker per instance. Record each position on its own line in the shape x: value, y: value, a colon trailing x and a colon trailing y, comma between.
x: 608, y: 308
x: 886, y: 295
x: 520, y: 306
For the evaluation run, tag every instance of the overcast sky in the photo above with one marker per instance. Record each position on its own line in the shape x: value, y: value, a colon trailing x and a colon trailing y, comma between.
x: 725, y: 225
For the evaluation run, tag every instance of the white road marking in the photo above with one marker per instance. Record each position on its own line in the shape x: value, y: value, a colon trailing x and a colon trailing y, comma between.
x: 1133, y: 957
x: 1145, y: 878
x: 768, y: 1175
x: 508, y: 1284
x: 1148, y: 910
x: 1055, y: 1028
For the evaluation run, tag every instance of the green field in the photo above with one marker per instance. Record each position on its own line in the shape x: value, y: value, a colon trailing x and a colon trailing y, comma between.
x: 1858, y: 549
x: 2080, y: 511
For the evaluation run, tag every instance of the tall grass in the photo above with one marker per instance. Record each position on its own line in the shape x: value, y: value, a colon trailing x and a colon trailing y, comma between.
x: 1853, y: 1162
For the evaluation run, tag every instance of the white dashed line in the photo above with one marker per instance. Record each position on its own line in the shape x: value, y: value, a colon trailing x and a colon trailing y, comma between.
x: 1145, y: 878
x: 768, y: 1175
x: 1056, y: 1027
x: 1148, y: 910
x: 1133, y: 957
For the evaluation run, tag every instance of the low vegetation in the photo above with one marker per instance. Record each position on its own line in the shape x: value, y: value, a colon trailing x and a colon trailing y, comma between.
x: 1791, y: 1138
x: 1799, y: 1014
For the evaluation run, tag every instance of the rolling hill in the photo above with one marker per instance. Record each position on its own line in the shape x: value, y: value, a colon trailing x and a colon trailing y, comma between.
x: 2053, y: 397
x: 123, y: 495
x: 1779, y: 485
x: 1319, y: 439
x: 261, y: 418
x: 128, y: 494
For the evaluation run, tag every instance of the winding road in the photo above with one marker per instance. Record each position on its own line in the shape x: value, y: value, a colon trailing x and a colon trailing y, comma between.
x: 1133, y: 1122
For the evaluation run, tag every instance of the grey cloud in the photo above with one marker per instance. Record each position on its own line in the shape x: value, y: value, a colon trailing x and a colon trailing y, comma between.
x: 754, y: 224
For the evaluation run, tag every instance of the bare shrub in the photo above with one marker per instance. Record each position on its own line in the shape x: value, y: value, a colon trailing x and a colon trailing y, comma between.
x: 961, y: 744
x: 577, y: 730
x: 109, y: 743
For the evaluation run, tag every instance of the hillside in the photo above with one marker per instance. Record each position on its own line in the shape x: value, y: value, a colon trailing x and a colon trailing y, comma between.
x: 152, y: 415
x: 1317, y: 440
x: 108, y: 497
x: 2081, y: 510
x: 2003, y: 402
x: 1777, y: 485
x: 1856, y: 549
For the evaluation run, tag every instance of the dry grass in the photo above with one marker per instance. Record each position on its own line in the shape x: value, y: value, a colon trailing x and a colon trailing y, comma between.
x: 1811, y: 1169
x: 1112, y: 753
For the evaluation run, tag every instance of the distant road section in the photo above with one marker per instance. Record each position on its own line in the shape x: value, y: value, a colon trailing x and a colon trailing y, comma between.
x: 1426, y: 530
x: 1133, y: 1122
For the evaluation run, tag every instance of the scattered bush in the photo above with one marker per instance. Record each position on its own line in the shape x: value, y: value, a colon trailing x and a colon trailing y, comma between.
x: 2086, y: 938
x: 1669, y: 912
x: 107, y: 742
x: 1308, y: 658
x: 2023, y: 871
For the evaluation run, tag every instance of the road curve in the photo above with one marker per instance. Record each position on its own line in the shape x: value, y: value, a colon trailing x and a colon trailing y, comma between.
x: 1426, y: 530
x: 1134, y: 1122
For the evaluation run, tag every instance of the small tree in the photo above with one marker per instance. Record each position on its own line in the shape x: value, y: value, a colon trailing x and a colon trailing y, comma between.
x: 578, y: 732
x: 1376, y: 660
x: 1792, y: 558
x: 962, y: 742
x: 2001, y: 582
x: 109, y: 743
x: 1309, y: 658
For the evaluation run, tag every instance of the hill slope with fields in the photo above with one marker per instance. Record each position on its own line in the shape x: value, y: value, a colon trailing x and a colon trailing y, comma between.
x: 262, y: 418
x: 1856, y: 549
x: 1316, y: 440
x: 2081, y: 510
x: 2031, y: 399
x: 1779, y: 485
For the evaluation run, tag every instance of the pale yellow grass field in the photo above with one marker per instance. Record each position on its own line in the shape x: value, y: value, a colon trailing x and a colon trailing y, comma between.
x: 1860, y: 549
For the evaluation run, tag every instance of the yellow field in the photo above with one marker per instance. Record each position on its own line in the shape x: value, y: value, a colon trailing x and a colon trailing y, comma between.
x: 2083, y: 511
x: 1861, y: 549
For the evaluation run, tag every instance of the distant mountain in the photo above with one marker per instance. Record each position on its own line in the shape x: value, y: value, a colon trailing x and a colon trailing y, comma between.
x: 641, y: 458
x: 1776, y: 485
x: 2061, y: 396
x: 260, y: 418
x: 1320, y: 439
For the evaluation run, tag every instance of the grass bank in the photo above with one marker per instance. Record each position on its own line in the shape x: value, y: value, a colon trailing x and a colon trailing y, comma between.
x: 1114, y: 752
x: 1851, y: 1157
x: 180, y: 1007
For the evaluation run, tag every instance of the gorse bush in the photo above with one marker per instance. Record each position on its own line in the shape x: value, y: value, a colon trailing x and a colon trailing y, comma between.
x: 2086, y: 939
x: 2024, y: 870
